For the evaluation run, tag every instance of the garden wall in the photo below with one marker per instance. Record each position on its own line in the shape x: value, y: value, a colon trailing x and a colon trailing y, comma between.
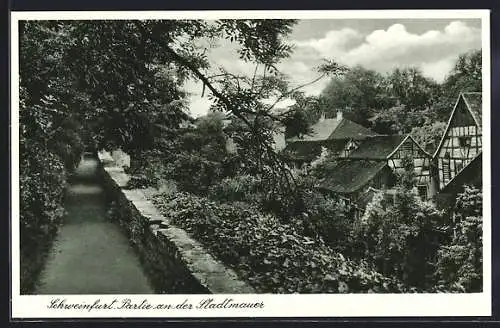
x: 174, y: 262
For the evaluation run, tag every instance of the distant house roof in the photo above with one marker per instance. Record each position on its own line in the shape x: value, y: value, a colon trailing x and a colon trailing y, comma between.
x: 378, y: 147
x: 350, y: 176
x: 303, y: 150
x: 333, y: 128
x: 319, y: 131
x: 474, y: 101
x: 351, y: 130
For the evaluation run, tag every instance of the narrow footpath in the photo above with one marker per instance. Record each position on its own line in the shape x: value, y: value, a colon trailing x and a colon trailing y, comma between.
x: 91, y: 255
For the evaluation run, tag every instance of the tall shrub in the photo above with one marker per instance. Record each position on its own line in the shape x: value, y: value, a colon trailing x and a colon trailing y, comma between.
x: 460, y: 263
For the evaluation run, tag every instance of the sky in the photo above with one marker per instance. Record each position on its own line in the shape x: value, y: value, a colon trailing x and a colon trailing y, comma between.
x: 433, y: 45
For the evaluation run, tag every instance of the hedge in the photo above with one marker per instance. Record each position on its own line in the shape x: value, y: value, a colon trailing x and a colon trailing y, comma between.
x: 42, y: 183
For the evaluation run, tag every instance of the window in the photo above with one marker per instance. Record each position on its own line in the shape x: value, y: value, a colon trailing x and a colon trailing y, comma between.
x: 464, y: 141
x: 426, y: 166
x: 422, y: 191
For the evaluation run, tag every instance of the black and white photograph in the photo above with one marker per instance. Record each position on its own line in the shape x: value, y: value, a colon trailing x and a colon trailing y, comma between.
x: 203, y: 165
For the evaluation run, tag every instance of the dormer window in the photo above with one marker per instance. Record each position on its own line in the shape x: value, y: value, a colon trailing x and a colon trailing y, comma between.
x: 464, y: 141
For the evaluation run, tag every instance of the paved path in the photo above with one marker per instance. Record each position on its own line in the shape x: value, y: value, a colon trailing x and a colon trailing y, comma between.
x: 91, y: 255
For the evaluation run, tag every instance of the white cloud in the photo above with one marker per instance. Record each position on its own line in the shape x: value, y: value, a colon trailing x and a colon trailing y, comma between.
x: 395, y: 46
x: 438, y: 70
x: 334, y: 42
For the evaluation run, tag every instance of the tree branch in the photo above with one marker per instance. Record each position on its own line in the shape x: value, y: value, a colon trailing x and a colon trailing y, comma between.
x: 295, y: 89
x: 272, y: 155
x: 254, y: 75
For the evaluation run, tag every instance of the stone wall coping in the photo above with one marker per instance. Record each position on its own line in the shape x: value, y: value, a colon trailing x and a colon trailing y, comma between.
x: 118, y: 175
x: 208, y: 271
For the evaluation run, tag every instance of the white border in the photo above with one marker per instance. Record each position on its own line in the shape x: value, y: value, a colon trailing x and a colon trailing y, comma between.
x: 317, y: 305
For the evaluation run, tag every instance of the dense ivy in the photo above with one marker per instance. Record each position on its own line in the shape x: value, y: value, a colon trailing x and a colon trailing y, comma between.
x: 272, y: 256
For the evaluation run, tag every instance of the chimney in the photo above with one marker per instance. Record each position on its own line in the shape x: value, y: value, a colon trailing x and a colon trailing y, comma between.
x: 322, y: 117
x: 339, y: 115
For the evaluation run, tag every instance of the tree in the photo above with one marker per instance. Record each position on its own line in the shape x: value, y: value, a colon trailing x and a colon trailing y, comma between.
x: 429, y: 135
x: 131, y: 82
x: 466, y: 76
x: 357, y: 93
x: 408, y: 98
x: 410, y: 87
x: 297, y: 123
x: 127, y: 100
x: 397, y: 120
x: 50, y: 102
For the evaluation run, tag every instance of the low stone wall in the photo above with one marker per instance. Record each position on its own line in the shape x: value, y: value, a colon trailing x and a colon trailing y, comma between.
x: 174, y: 262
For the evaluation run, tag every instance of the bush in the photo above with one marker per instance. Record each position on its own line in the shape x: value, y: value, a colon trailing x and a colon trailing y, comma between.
x: 271, y: 256
x: 150, y: 171
x: 327, y: 218
x: 192, y: 172
x: 402, y: 238
x: 460, y: 263
x: 312, y: 213
x: 239, y: 188
x: 42, y: 183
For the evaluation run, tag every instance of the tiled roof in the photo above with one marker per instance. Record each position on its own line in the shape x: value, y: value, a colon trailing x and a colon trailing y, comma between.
x: 332, y: 128
x: 349, y: 129
x: 303, y: 150
x: 377, y: 147
x: 349, y: 176
x: 319, y: 131
x: 474, y: 102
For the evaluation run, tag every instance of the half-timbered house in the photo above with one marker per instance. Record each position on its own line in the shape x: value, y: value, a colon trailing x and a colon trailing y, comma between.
x: 394, y: 149
x: 375, y: 164
x: 461, y: 145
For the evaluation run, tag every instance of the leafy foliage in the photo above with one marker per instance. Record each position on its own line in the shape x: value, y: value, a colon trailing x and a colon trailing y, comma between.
x: 327, y: 218
x: 401, y: 236
x: 241, y: 188
x: 50, y: 141
x: 272, y: 256
x: 429, y: 135
x: 401, y: 100
x: 466, y: 76
x: 460, y: 264
x: 357, y: 93
x: 41, y: 192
